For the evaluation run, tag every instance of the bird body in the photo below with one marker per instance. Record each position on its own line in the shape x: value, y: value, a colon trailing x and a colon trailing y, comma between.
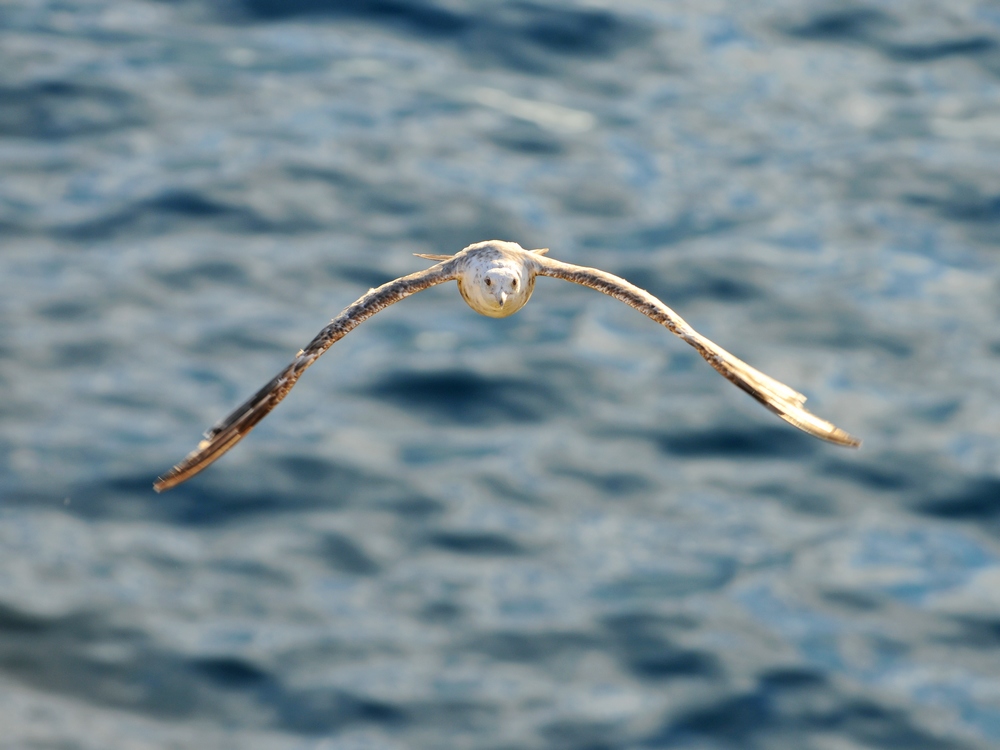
x: 496, y: 279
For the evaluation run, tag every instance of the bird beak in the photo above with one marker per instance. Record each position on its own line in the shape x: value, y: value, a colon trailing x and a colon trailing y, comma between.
x: 502, y: 298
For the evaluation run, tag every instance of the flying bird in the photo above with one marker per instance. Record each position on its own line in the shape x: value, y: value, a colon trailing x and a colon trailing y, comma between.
x: 496, y: 279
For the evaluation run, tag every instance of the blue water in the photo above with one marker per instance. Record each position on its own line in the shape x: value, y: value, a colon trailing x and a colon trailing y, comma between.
x: 556, y: 531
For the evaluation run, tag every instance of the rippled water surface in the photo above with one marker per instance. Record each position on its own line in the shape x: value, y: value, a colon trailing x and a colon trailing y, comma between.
x: 556, y: 531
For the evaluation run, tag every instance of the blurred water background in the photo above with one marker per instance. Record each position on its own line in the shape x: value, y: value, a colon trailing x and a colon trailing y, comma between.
x: 557, y: 531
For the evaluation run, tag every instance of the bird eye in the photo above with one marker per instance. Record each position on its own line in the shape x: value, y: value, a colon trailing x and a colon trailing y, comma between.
x: 489, y: 281
x: 513, y: 284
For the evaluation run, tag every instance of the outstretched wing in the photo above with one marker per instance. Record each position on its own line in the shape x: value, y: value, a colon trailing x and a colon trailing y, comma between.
x: 778, y: 397
x: 233, y: 428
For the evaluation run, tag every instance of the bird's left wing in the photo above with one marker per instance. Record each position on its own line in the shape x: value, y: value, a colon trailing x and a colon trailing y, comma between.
x: 233, y: 428
x: 786, y: 402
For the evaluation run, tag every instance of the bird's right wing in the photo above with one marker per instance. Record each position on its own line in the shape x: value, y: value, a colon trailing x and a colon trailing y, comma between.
x: 786, y: 402
x: 234, y: 427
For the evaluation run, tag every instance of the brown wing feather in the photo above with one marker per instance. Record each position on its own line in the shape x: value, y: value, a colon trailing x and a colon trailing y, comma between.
x: 778, y: 397
x: 234, y: 427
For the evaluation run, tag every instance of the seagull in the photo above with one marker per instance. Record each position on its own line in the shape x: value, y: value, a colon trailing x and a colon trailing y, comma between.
x: 496, y: 279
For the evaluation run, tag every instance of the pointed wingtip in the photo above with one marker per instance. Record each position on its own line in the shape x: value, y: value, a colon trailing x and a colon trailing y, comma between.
x: 168, y: 481
x: 434, y: 257
x: 815, y: 426
x: 540, y: 251
x: 846, y: 439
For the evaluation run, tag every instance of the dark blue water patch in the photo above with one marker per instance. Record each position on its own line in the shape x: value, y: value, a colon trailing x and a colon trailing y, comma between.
x: 851, y: 601
x: 596, y: 200
x: 858, y: 23
x: 565, y: 377
x: 93, y: 353
x: 615, y: 483
x: 393, y: 199
x: 686, y: 226
x: 514, y: 34
x: 467, y: 398
x: 938, y: 413
x: 846, y: 332
x: 366, y: 277
x: 476, y: 544
x: 310, y: 712
x: 795, y: 498
x: 403, y: 201
x: 175, y: 210
x: 412, y: 507
x: 661, y: 661
x: 736, y: 443
x: 420, y: 16
x: 238, y: 340
x: 965, y: 203
x: 682, y: 285
x: 61, y: 109
x: 970, y: 46
x: 787, y: 706
x: 314, y: 470
x: 73, y: 310
x: 230, y: 672
x: 345, y: 556
x: 211, y: 272
x: 256, y: 574
x: 643, y: 643
x: 57, y: 654
x: 891, y: 474
x: 196, y: 503
x: 528, y: 139
x: 14, y: 410
x: 206, y: 502
x: 503, y: 487
x: 62, y: 654
x: 584, y: 32
x: 14, y: 229
x: 973, y: 633
x: 441, y: 613
x: 188, y: 203
x: 976, y: 499
x: 322, y: 711
x: 14, y: 621
x: 532, y: 647
x: 875, y: 29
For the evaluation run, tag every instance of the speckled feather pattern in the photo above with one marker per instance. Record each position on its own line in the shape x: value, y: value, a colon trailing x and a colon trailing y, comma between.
x: 234, y: 427
x: 786, y: 402
x: 496, y: 279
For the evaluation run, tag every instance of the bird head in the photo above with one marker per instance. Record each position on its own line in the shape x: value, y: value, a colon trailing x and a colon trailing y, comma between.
x: 497, y: 288
x: 502, y: 284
